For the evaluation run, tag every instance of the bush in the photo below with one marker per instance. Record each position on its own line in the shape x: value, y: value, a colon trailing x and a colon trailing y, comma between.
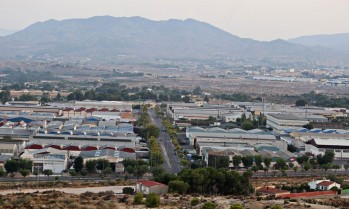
x: 152, y: 201
x: 138, y: 199
x: 276, y: 207
x: 128, y: 190
x: 236, y: 206
x: 194, y: 201
x: 209, y: 205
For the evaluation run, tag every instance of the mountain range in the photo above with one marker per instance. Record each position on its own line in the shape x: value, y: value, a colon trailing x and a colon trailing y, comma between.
x: 106, y: 37
x: 334, y: 41
x: 5, y: 32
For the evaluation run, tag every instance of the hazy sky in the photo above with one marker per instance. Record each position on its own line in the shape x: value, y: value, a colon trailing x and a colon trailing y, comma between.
x: 258, y: 19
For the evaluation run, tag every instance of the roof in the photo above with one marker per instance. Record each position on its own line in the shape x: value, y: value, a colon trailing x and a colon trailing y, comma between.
x: 285, y: 116
x: 271, y: 190
x: 325, y: 183
x: 151, y: 183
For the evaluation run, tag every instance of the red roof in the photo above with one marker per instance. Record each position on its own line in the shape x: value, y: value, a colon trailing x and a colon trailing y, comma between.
x: 271, y: 190
x: 91, y: 110
x: 103, y: 110
x: 114, y: 110
x: 80, y: 109
x: 325, y: 183
x: 151, y: 183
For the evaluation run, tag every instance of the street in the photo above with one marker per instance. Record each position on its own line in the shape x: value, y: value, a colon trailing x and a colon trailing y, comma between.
x: 115, y: 189
x: 171, y: 160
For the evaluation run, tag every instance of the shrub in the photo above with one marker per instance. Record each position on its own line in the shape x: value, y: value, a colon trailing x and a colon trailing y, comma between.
x: 209, y: 205
x: 152, y: 201
x: 236, y: 206
x: 138, y: 199
x: 194, y: 201
x: 128, y: 190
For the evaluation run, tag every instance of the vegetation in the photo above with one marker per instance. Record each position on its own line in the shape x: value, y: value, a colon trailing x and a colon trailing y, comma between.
x: 195, y: 201
x: 209, y: 205
x: 138, y: 198
x: 152, y: 200
x: 78, y: 164
x: 136, y: 167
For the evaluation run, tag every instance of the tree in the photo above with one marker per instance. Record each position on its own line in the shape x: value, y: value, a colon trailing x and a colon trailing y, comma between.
x: 236, y: 161
x: 306, y: 166
x: 24, y: 172
x: 209, y: 205
x: 152, y: 200
x: 236, y: 206
x: 267, y: 162
x: 5, y: 96
x: 346, y: 167
x: 186, y: 99
x: 150, y: 131
x: 138, y: 199
x: 258, y: 159
x: 25, y: 164
x: 247, y: 161
x: 301, y: 102
x: 280, y: 164
x: 336, y: 167
x: 216, y: 161
x: 309, y: 126
x: 83, y: 172
x: 247, y: 125
x: 212, y: 119
x: 195, y: 201
x: 295, y: 169
x: 48, y: 173
x: 91, y: 166
x: 107, y: 171
x: 254, y: 168
x: 206, y: 99
x: 2, y: 172
x: 140, y: 170
x: 102, y: 164
x: 78, y: 164
x: 180, y: 187
x: 197, y: 90
x: 302, y: 159
x: 11, y: 166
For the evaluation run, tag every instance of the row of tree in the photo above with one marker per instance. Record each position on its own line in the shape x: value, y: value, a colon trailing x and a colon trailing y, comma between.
x: 206, y: 181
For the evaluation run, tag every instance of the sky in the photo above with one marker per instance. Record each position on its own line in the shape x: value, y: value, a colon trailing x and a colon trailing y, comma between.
x: 257, y: 19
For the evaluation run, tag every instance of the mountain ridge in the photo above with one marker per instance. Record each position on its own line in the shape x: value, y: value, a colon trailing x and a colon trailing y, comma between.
x: 107, y: 37
x: 339, y: 41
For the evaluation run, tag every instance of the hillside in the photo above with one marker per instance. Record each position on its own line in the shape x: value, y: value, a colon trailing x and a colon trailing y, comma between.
x: 334, y: 41
x: 5, y: 32
x: 106, y: 37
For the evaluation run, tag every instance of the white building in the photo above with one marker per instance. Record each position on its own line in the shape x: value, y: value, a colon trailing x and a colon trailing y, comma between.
x: 279, y: 122
x: 48, y: 158
x: 340, y: 147
x: 323, y: 184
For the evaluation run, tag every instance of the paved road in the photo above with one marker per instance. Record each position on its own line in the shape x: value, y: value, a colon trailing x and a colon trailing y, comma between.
x: 171, y: 160
x: 115, y: 189
x: 319, y: 172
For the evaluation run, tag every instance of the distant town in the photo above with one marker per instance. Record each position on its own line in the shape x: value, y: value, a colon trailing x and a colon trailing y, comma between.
x: 275, y: 136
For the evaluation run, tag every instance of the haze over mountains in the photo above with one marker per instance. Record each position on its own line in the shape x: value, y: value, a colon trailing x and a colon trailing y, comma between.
x: 106, y: 37
x: 5, y: 32
x: 334, y: 41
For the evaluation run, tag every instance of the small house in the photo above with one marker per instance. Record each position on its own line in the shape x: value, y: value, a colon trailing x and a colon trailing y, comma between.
x: 147, y: 187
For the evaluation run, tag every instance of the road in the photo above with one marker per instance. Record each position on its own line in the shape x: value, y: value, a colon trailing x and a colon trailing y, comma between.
x: 115, y: 189
x: 319, y: 173
x: 171, y: 160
